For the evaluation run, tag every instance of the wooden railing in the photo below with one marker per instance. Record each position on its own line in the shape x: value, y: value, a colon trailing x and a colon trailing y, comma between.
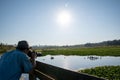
x: 48, y: 72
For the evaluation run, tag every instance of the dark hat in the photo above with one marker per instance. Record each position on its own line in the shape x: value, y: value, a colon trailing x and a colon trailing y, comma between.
x: 22, y: 45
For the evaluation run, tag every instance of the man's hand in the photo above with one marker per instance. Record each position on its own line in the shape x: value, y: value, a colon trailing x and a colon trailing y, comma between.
x: 32, y: 59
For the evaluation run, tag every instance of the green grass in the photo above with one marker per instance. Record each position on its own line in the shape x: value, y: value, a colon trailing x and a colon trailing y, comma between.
x: 100, y: 51
x: 107, y: 72
x: 5, y: 49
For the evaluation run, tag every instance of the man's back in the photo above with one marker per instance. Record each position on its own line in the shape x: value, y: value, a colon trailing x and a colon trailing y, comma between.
x: 13, y: 64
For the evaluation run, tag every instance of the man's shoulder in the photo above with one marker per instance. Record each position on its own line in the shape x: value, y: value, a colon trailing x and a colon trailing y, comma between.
x: 16, y: 53
x: 20, y: 54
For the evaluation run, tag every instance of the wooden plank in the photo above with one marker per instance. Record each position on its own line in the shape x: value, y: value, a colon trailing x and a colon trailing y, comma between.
x: 42, y: 76
x: 63, y: 74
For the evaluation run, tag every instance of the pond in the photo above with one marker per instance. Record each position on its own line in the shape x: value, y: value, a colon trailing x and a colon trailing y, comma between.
x: 79, y: 62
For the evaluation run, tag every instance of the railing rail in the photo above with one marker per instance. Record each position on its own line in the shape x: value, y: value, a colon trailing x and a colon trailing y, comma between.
x: 48, y: 72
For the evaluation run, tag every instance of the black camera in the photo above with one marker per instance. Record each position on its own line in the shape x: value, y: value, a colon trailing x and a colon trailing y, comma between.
x: 32, y: 52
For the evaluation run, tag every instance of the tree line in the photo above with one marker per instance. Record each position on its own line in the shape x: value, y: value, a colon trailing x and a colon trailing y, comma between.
x: 100, y: 44
x: 5, y: 47
x: 104, y: 43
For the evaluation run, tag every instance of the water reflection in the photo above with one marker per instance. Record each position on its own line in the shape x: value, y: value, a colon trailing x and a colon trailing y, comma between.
x: 79, y: 62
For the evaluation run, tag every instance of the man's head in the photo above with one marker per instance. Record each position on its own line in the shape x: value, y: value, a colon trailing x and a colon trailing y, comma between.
x: 23, y: 45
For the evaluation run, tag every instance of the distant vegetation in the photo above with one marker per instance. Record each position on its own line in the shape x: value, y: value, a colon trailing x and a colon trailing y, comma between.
x: 111, y: 48
x: 5, y: 47
x: 100, y: 51
x: 105, y: 48
x: 87, y: 45
x: 107, y: 72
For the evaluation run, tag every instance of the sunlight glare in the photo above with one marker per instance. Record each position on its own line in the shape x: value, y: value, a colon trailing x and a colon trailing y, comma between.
x: 64, y: 18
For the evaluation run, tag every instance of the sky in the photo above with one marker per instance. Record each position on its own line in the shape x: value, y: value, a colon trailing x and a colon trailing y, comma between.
x: 59, y: 22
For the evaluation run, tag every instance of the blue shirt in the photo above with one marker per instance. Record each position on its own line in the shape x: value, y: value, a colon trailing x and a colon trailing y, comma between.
x: 13, y: 64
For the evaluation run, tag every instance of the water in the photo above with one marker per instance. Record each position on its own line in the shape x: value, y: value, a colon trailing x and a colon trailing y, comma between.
x: 79, y: 62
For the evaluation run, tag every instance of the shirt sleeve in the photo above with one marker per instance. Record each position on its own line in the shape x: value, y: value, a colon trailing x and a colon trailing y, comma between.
x: 26, y: 64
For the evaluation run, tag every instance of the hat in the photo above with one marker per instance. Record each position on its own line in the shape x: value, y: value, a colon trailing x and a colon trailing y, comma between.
x: 22, y: 45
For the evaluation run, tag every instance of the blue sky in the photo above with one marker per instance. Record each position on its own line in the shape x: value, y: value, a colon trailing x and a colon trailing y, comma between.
x: 36, y: 21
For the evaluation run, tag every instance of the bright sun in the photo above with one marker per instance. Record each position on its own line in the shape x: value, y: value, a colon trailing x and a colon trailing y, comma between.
x: 64, y: 18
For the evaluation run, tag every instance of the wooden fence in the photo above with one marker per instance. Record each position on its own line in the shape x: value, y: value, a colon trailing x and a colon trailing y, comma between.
x: 48, y: 72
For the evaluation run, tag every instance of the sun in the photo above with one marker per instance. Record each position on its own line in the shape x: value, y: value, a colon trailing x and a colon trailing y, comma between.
x: 64, y: 18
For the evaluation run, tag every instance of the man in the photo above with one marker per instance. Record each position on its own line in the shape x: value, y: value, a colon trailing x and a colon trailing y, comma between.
x: 16, y: 62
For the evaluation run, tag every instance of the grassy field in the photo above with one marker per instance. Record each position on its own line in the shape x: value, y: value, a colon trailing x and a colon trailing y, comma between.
x: 107, y: 72
x: 5, y: 49
x: 100, y: 51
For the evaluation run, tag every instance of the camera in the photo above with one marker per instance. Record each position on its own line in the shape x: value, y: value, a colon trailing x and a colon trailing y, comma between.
x: 32, y: 53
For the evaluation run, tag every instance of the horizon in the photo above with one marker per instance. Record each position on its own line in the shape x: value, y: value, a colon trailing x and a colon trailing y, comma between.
x: 59, y: 22
x: 61, y: 45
